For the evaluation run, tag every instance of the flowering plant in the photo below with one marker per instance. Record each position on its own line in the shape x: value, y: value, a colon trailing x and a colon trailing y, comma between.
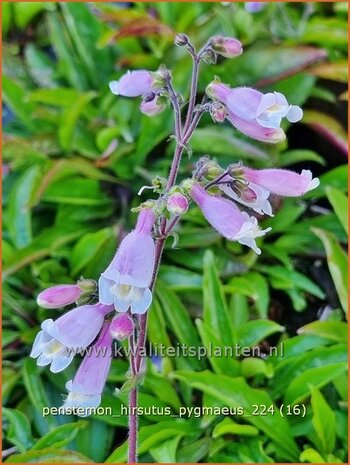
x: 229, y: 197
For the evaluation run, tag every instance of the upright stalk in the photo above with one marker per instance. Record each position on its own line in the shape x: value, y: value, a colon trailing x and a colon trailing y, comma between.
x: 183, y: 135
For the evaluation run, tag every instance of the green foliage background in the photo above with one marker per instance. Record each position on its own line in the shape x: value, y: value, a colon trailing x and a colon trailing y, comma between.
x: 75, y: 157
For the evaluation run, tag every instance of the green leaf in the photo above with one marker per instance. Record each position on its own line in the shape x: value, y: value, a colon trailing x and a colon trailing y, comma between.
x: 85, y: 29
x: 14, y: 97
x: 69, y: 64
x: 151, y: 133
x: 339, y: 202
x: 337, y: 177
x: 180, y: 279
x: 285, y: 217
x: 19, y: 432
x: 70, y: 117
x: 252, y: 332
x: 220, y: 358
x: 25, y: 12
x: 332, y: 330
x: 166, y: 452
x: 95, y: 441
x: 10, y: 378
x: 37, y: 396
x: 323, y: 421
x: 215, y: 312
x: 19, y: 214
x: 228, y: 426
x: 151, y: 436
x: 40, y: 67
x: 254, y: 286
x: 49, y: 456
x: 337, y: 264
x: 326, y: 31
x: 177, y: 315
x: 194, y: 452
x: 328, y: 127
x: 87, y: 247
x: 312, y: 456
x: 235, y: 392
x: 289, y: 368
x: 44, y: 244
x: 60, y: 436
x: 76, y: 191
x: 157, y: 332
x: 299, y: 389
x: 223, y: 142
x: 264, y: 64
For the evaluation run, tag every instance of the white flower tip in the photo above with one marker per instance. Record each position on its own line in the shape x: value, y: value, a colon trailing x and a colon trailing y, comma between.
x: 114, y: 87
x: 42, y: 302
x: 312, y: 183
x: 294, y: 114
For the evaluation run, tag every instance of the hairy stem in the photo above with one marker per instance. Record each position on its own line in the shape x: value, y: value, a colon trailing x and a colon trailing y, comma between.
x: 182, y: 137
x: 133, y: 420
x: 193, y: 92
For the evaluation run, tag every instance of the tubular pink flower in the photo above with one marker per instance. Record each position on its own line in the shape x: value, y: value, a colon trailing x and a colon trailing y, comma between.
x: 126, y: 281
x: 255, y: 114
x: 227, y: 219
x: 228, y: 47
x: 86, y: 388
x: 282, y: 182
x: 74, y: 330
x: 59, y: 296
x: 153, y: 106
x: 133, y: 84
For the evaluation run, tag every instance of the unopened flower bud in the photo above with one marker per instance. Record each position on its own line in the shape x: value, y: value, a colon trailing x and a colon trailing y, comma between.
x: 181, y: 40
x: 186, y: 185
x: 121, y: 327
x: 59, y: 296
x: 87, y: 285
x: 162, y: 75
x: 213, y: 170
x: 151, y: 105
x: 227, y: 47
x: 177, y: 204
x: 236, y: 171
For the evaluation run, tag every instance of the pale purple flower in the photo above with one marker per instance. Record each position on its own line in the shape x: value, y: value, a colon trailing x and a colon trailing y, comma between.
x: 228, y: 47
x: 282, y: 182
x: 59, y: 296
x: 227, y: 219
x: 254, y: 7
x: 152, y: 105
x: 133, y: 84
x: 255, y: 114
x: 86, y: 388
x: 121, y: 327
x: 74, y: 330
x: 126, y: 281
x: 177, y: 203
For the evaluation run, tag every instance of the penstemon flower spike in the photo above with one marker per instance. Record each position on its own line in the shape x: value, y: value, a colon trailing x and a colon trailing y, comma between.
x: 125, y: 287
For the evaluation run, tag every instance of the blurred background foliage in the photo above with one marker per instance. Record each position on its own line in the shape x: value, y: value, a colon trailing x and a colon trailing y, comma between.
x: 74, y: 159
